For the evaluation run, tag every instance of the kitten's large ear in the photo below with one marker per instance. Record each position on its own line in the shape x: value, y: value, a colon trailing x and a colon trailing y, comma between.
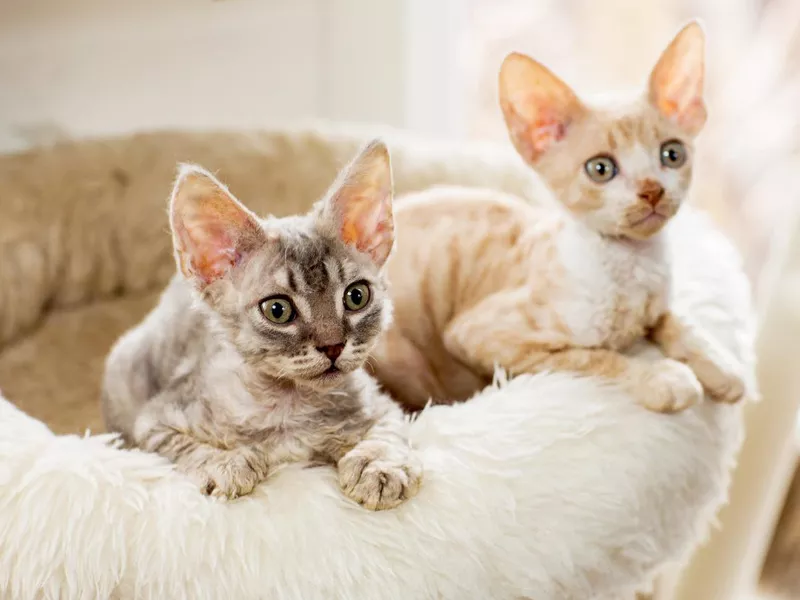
x: 676, y: 83
x: 211, y: 230
x: 537, y: 106
x: 359, y: 206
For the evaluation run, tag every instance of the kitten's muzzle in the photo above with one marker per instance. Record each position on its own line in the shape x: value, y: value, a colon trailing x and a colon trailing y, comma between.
x: 651, y: 192
x: 651, y: 213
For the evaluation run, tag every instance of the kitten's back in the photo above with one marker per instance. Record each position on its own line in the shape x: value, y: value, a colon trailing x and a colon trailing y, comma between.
x: 465, y: 241
x: 148, y: 356
x: 454, y: 247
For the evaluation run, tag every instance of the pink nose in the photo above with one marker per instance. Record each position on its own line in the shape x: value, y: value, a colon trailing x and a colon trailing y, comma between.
x: 650, y: 191
x: 332, y: 352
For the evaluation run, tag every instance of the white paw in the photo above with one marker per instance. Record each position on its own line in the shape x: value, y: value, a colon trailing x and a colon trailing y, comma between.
x: 721, y: 376
x: 671, y: 387
x: 226, y: 474
x: 379, y: 476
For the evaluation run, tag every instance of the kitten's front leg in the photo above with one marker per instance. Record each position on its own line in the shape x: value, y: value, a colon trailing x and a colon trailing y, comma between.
x: 524, y: 343
x: 381, y: 471
x: 716, y: 368
x: 223, y: 472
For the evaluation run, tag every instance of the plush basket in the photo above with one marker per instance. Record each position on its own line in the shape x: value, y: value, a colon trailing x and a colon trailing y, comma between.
x: 545, y: 487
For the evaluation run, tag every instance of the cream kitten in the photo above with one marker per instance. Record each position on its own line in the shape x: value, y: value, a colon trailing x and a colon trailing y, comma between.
x: 254, y: 355
x: 481, y: 279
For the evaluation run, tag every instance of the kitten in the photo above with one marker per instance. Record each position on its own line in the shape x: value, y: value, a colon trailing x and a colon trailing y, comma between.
x: 481, y: 279
x: 254, y: 355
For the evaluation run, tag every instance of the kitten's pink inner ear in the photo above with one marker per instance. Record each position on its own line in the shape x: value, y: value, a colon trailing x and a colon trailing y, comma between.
x: 537, y: 106
x: 211, y: 229
x: 676, y: 83
x: 364, y: 204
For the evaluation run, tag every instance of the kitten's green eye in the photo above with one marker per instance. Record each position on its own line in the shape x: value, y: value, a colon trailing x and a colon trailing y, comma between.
x: 673, y: 154
x: 601, y: 169
x: 278, y: 310
x: 356, y: 296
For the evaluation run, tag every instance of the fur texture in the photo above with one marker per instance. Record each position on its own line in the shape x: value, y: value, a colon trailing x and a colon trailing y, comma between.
x: 577, y: 285
x: 254, y: 355
x: 514, y: 504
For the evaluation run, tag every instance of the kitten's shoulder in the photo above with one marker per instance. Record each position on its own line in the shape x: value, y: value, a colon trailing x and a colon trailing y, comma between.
x: 144, y: 358
x: 177, y: 320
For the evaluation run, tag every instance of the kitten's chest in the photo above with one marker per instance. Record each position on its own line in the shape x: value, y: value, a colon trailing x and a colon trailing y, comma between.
x: 614, y: 291
x: 295, y: 425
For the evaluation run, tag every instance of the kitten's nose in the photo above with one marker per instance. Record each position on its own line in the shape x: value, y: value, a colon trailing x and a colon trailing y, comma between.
x: 333, y: 352
x: 650, y: 191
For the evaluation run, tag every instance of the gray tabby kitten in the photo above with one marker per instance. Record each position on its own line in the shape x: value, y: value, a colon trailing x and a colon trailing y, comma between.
x: 254, y: 356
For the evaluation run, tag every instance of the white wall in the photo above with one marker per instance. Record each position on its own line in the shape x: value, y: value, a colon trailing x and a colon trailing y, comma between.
x: 97, y: 66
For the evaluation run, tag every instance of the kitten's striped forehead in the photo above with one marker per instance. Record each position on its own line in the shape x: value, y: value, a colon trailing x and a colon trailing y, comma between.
x: 630, y: 130
x: 309, y: 264
x: 306, y: 262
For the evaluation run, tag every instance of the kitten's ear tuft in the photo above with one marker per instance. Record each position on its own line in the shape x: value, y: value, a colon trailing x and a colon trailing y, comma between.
x: 537, y: 106
x: 211, y: 230
x: 676, y: 83
x: 360, y: 204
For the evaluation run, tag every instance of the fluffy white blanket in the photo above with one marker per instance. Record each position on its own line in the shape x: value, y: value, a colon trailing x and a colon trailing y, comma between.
x: 548, y: 487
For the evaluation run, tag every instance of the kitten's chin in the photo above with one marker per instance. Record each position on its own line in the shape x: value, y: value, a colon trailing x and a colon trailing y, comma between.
x: 321, y: 378
x: 644, y: 228
x: 331, y: 376
x: 324, y: 380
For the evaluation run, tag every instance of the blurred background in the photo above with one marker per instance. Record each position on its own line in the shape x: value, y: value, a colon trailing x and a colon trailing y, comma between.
x: 94, y: 67
x: 90, y: 67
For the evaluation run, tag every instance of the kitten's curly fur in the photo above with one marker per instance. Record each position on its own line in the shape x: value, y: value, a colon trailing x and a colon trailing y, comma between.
x: 567, y: 287
x: 215, y: 382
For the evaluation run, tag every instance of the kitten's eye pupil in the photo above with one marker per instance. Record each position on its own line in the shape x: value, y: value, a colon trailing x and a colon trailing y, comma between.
x: 278, y: 310
x: 601, y: 169
x: 357, y: 296
x: 673, y: 154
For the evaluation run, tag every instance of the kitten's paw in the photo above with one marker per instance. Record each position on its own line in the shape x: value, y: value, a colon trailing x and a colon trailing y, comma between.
x: 721, y: 377
x: 672, y: 387
x: 379, y: 476
x: 225, y: 474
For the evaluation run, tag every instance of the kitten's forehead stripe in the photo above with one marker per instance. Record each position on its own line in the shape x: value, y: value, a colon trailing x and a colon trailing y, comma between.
x: 340, y: 268
x: 309, y: 255
x: 316, y: 277
x: 291, y: 282
x: 612, y: 141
